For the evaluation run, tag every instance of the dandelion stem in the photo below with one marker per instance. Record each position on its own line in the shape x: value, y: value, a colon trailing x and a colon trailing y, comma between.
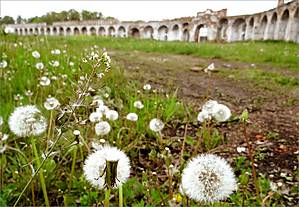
x: 121, y: 196
x: 73, y: 166
x: 160, y: 138
x: 41, y: 174
x: 107, y: 197
x: 183, y: 145
x: 49, y: 129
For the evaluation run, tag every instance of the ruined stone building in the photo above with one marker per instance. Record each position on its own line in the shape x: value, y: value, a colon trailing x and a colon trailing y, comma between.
x: 280, y: 23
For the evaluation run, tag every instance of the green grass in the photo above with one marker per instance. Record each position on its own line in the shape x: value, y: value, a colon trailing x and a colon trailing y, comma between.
x: 135, y: 139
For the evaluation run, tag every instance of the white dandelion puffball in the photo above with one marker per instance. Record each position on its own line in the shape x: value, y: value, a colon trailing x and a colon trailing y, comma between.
x: 95, y: 164
x: 102, y: 109
x: 147, y: 87
x: 39, y: 66
x: 51, y: 103
x: 208, y: 178
x: 55, y: 52
x: 138, y: 104
x: 132, y: 117
x: 223, y: 113
x: 210, y: 107
x: 156, y: 125
x: 54, y: 63
x: 3, y: 64
x: 71, y: 64
x: 27, y: 121
x: 95, y: 116
x: 36, y: 54
x: 1, y: 120
x: 44, y: 81
x: 111, y: 115
x: 102, y: 128
x: 203, y: 115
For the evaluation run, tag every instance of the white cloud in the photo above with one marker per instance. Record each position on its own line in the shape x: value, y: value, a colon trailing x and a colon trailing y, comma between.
x: 134, y: 10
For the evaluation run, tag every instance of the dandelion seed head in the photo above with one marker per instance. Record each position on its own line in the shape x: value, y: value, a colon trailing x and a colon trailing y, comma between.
x: 36, y: 54
x: 76, y: 132
x: 3, y: 64
x: 156, y: 125
x: 223, y: 113
x: 102, y: 109
x: 147, y: 87
x: 102, y: 128
x: 111, y: 115
x: 210, y: 107
x: 54, y: 63
x: 39, y: 66
x: 44, y: 81
x: 138, y: 105
x: 1, y: 120
x: 71, y: 64
x: 55, y: 52
x: 203, y: 115
x: 51, y: 103
x: 132, y: 117
x: 95, y: 164
x: 95, y: 117
x: 27, y: 121
x: 208, y: 178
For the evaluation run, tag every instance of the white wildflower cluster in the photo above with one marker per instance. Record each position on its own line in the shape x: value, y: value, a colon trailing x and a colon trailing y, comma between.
x: 212, y: 109
x: 95, y: 167
x: 27, y: 121
x: 208, y: 178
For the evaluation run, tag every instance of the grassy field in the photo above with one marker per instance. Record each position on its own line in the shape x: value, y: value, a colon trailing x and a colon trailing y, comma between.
x: 152, y: 181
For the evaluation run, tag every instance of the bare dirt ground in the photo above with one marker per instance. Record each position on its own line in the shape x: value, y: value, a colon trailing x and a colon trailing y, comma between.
x: 273, y: 128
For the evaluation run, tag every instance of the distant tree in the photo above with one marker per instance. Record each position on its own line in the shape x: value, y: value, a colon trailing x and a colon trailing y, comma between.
x: 7, y: 20
x: 73, y: 15
x: 19, y: 20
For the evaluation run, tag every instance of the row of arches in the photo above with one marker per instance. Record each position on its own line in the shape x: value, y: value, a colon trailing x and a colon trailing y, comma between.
x: 275, y: 27
x: 174, y: 32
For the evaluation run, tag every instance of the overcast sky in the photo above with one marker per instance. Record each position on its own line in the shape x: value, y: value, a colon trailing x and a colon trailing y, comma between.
x: 134, y: 10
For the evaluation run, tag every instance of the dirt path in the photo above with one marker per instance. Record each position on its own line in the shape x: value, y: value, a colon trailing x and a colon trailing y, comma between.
x: 273, y: 111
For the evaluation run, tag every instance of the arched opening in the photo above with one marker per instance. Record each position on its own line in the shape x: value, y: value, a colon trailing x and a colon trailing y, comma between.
x: 26, y: 31
x: 162, y: 33
x: 185, y: 25
x: 250, y: 29
x: 134, y: 32
x: 238, y: 30
x: 84, y: 31
x: 54, y: 31
x: 21, y: 31
x: 61, y: 31
x: 175, y: 32
x: 102, y: 31
x: 36, y: 32
x: 31, y: 31
x: 283, y: 24
x: 111, y: 31
x: 186, y: 35
x: 121, y: 31
x: 272, y: 26
x: 148, y: 32
x: 68, y: 31
x: 263, y: 26
x: 201, y: 33
x: 42, y: 31
x: 92, y: 31
x: 16, y: 31
x: 222, y: 31
x: 76, y: 31
x: 48, y: 31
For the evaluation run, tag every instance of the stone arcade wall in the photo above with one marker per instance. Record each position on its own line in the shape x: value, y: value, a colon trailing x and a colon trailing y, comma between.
x: 281, y: 23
